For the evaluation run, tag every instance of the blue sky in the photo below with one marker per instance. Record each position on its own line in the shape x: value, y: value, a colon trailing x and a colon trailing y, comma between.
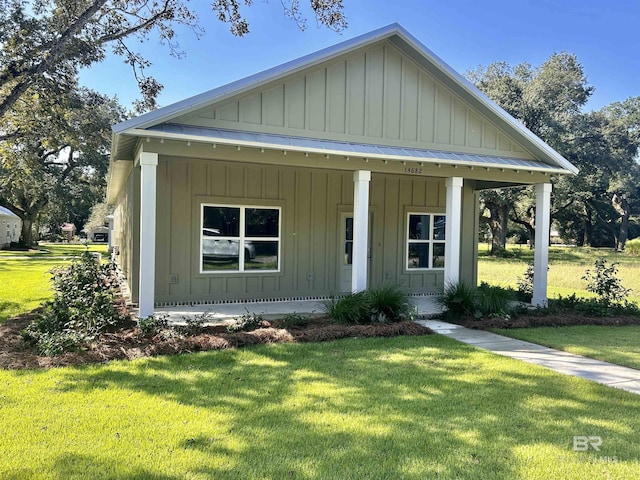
x: 464, y: 33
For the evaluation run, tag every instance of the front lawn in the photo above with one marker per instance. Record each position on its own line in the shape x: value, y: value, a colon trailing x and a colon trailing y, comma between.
x: 403, y: 407
x: 566, y: 268
x: 618, y: 344
x: 25, y: 283
x: 45, y: 249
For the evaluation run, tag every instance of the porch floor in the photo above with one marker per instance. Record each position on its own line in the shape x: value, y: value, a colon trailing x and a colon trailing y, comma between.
x: 223, y: 313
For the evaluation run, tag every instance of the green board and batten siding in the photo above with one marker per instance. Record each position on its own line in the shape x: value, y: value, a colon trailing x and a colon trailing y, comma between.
x: 312, y: 203
x: 373, y: 95
x: 376, y: 95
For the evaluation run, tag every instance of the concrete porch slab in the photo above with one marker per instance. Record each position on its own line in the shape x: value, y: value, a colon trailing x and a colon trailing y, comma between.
x: 427, y: 307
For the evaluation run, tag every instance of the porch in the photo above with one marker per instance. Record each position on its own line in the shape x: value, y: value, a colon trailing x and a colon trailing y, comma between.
x: 223, y: 313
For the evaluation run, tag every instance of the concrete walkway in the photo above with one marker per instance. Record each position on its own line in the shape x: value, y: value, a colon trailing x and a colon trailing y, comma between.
x: 602, y: 372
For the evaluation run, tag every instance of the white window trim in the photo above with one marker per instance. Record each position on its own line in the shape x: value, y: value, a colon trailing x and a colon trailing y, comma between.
x: 242, y: 238
x: 430, y: 241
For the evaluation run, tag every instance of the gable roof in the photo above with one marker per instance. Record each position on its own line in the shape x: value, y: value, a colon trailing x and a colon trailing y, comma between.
x: 127, y: 133
x: 7, y: 213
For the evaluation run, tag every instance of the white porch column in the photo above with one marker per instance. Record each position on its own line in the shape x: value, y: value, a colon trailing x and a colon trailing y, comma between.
x: 541, y: 254
x: 148, y: 164
x: 453, y: 230
x: 109, y: 219
x: 361, y: 179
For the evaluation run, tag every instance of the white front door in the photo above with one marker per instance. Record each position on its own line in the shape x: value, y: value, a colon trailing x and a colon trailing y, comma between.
x: 345, y: 249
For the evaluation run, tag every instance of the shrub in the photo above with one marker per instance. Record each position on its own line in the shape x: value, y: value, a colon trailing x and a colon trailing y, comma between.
x: 525, y: 285
x: 632, y: 247
x: 354, y: 308
x: 603, y: 281
x: 390, y: 303
x: 294, y: 320
x: 82, y: 307
x: 495, y: 300
x: 462, y: 301
x: 152, y: 325
x: 247, y: 322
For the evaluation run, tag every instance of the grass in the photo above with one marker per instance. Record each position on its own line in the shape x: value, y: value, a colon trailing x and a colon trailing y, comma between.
x: 405, y: 407
x: 566, y: 268
x: 619, y: 345
x: 25, y: 283
x: 57, y: 249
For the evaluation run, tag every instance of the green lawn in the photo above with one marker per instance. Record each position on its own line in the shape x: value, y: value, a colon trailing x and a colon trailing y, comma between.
x: 25, y: 283
x: 57, y: 249
x: 566, y: 268
x: 405, y: 407
x: 619, y: 345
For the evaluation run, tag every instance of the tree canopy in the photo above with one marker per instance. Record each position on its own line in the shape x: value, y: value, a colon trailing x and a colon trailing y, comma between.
x: 54, y: 134
x: 43, y: 43
x: 595, y: 206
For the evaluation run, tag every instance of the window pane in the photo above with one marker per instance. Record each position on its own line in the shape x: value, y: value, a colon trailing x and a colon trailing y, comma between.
x: 438, y: 255
x: 439, y: 227
x: 348, y: 228
x: 219, y: 254
x: 221, y: 221
x: 418, y: 255
x: 348, y: 253
x: 262, y: 222
x: 419, y: 227
x: 260, y: 255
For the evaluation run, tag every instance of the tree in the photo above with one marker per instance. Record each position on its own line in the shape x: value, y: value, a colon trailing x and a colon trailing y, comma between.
x: 64, y: 162
x: 603, y: 145
x: 43, y: 43
x: 544, y: 99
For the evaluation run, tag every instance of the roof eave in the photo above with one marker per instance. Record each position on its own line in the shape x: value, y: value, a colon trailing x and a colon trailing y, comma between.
x: 324, y: 151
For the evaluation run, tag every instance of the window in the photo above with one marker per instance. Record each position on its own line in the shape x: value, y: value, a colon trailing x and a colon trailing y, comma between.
x: 425, y: 241
x: 239, y: 239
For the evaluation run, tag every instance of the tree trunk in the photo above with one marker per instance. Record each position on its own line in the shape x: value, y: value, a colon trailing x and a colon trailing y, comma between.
x: 621, y: 206
x: 27, y: 231
x: 498, y: 226
x: 587, y: 238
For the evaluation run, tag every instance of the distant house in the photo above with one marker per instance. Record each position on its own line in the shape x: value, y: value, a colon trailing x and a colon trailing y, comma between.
x: 68, y: 231
x: 10, y: 227
x: 98, y: 234
x: 355, y: 166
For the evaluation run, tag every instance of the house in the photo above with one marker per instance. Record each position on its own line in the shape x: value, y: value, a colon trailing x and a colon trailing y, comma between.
x: 10, y: 227
x: 98, y: 234
x: 354, y: 166
x: 68, y: 231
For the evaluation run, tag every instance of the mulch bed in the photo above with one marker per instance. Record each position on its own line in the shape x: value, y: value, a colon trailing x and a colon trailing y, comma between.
x: 127, y: 343
x: 556, y: 320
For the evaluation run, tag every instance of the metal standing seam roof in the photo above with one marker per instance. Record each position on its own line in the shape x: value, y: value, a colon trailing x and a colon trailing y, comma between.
x: 314, y: 145
x: 394, y: 32
x: 7, y: 212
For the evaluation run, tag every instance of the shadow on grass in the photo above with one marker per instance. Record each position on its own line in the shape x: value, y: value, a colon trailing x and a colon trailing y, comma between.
x: 85, y: 466
x: 377, y: 408
x: 7, y: 309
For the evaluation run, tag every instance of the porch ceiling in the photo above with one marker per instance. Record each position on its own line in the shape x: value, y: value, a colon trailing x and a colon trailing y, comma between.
x: 345, y: 149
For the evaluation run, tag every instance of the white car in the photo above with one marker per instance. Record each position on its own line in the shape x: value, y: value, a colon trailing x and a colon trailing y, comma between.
x: 224, y: 249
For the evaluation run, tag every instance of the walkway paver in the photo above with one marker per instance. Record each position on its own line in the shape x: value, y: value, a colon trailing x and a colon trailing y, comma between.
x: 568, y: 363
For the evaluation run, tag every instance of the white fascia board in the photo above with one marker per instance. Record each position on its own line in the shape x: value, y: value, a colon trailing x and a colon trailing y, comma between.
x: 331, y: 152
